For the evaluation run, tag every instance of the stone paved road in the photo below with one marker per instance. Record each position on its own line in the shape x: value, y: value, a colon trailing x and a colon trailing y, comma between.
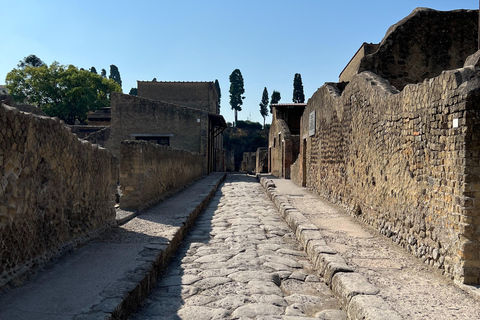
x: 415, y: 290
x: 240, y: 261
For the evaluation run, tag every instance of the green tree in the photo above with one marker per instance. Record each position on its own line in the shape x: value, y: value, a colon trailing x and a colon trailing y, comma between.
x: 93, y: 70
x: 217, y: 86
x: 61, y: 91
x: 133, y: 92
x: 298, y: 95
x: 236, y: 92
x: 115, y: 74
x: 32, y: 61
x: 103, y: 73
x: 275, y: 99
x: 264, y: 105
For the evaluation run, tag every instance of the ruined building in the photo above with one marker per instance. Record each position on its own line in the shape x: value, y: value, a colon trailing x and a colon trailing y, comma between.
x: 57, y: 191
x: 182, y: 115
x: 396, y: 143
x: 284, y: 137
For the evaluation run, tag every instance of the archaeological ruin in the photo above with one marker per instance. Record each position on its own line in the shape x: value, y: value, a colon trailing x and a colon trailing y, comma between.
x: 58, y: 191
x: 396, y: 142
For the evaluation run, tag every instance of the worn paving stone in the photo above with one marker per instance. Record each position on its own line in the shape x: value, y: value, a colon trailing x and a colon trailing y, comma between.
x: 240, y: 261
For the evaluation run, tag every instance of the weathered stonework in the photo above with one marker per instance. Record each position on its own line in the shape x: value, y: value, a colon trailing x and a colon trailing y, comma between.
x: 261, y: 160
x: 55, y: 190
x: 248, y: 163
x: 407, y: 163
x: 196, y: 95
x: 422, y: 45
x: 194, y: 130
x: 150, y: 172
x: 284, y: 138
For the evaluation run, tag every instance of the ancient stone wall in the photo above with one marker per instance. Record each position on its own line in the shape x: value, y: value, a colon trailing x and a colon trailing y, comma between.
x: 261, y: 160
x: 249, y: 162
x: 55, y: 190
x: 150, y: 172
x: 407, y: 163
x: 424, y: 44
x: 354, y: 64
x: 279, y: 141
x: 99, y: 137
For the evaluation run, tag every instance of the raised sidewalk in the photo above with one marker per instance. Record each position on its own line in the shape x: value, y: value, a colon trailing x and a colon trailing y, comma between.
x: 108, y: 277
x: 372, y: 277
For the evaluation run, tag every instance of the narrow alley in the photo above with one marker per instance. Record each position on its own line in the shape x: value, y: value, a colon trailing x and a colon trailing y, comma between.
x: 240, y: 261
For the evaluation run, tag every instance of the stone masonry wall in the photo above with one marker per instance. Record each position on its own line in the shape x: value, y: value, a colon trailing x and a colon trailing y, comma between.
x: 261, y: 160
x: 407, y: 163
x: 150, y: 172
x: 423, y: 44
x: 134, y: 115
x: 197, y: 95
x: 55, y: 191
x: 281, y: 143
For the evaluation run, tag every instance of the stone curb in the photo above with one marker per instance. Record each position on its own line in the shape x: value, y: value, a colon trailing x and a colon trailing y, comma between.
x: 357, y: 296
x: 121, y: 298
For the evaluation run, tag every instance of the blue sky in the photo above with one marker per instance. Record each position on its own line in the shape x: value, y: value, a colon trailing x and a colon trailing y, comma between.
x: 269, y: 41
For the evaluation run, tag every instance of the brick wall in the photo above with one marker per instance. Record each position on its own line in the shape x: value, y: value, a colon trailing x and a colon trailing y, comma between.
x: 55, y: 190
x: 407, y: 163
x: 150, y: 172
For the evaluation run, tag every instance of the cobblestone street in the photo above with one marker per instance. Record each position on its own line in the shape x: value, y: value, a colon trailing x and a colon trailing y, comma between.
x: 240, y: 261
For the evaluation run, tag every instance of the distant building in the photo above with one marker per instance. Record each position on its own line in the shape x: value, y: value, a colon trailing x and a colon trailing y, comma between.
x: 196, y: 95
x: 182, y: 115
x: 284, y: 137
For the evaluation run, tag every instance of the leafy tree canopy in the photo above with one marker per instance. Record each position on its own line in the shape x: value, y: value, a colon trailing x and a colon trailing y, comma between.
x: 115, y: 74
x: 32, y: 61
x: 236, y: 91
x: 275, y: 99
x: 298, y: 95
x: 133, y: 92
x: 217, y: 86
x: 93, y: 70
x: 103, y: 73
x: 247, y: 124
x: 61, y: 91
x: 264, y: 105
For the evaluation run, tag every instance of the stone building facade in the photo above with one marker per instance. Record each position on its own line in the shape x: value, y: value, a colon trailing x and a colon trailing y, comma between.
x: 180, y: 127
x: 284, y: 137
x: 195, y: 95
x: 405, y: 162
x: 248, y: 163
x: 261, y: 160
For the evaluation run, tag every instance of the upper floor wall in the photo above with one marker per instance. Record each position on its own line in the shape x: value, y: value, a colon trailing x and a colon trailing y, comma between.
x: 196, y: 95
x: 420, y: 46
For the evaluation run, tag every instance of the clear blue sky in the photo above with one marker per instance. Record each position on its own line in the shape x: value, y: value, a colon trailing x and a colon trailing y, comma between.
x: 191, y: 40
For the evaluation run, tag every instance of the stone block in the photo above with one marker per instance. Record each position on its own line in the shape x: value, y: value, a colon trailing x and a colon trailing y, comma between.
x: 347, y: 285
x: 329, y: 264
x: 371, y: 307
